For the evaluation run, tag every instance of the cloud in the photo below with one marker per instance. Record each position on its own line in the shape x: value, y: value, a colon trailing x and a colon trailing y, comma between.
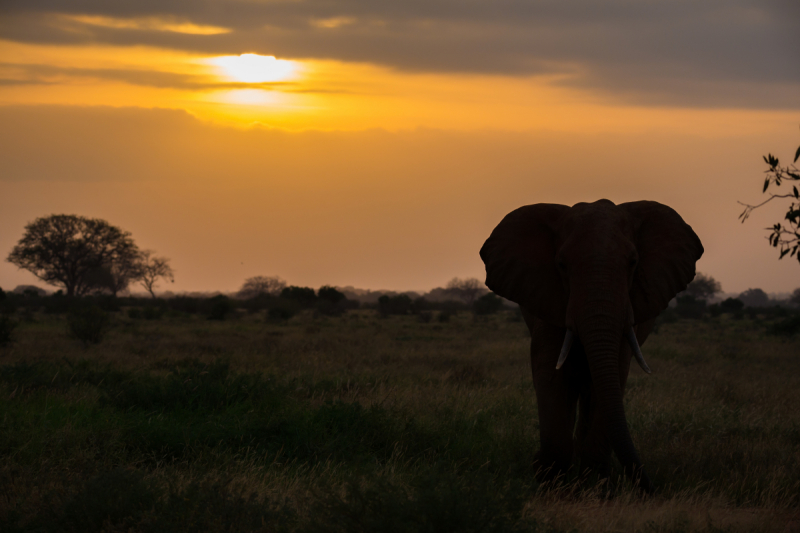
x: 741, y: 53
x: 35, y: 74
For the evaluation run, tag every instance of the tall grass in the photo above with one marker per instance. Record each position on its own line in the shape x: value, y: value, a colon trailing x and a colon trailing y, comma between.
x: 362, y: 423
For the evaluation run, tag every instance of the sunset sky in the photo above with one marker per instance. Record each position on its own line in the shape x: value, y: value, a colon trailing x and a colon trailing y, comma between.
x: 375, y: 143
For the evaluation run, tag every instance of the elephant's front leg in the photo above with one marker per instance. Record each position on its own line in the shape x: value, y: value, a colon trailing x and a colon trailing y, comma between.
x: 557, y: 399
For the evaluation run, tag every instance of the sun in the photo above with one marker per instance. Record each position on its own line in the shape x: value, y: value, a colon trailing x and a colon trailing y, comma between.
x: 254, y: 68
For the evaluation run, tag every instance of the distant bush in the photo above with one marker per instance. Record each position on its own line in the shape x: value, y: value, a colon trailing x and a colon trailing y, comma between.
x: 185, y: 304
x: 328, y: 308
x: 305, y: 296
x: 88, y: 324
x: 258, y: 303
x: 331, y: 302
x: 487, y: 304
x: 731, y: 304
x: 425, y: 316
x: 7, y: 327
x: 690, y: 307
x: 444, y: 316
x: 394, y: 305
x: 421, y: 304
x: 787, y: 327
x: 148, y: 312
x: 58, y: 303
x: 221, y: 307
x: 330, y: 294
x: 283, y: 309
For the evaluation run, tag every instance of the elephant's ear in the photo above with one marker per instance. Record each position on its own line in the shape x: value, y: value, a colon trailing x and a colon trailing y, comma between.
x: 520, y: 261
x: 668, y: 249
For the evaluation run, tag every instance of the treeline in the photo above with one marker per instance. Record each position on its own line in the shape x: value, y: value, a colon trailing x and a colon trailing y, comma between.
x: 89, y: 316
x: 755, y: 304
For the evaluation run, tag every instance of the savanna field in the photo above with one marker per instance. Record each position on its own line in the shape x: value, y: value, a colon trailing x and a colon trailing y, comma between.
x: 358, y: 422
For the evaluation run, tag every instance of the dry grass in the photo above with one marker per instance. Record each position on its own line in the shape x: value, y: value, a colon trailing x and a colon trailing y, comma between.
x: 313, y: 418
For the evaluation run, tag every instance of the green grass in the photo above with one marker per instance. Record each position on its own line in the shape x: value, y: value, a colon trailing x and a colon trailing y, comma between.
x: 361, y: 423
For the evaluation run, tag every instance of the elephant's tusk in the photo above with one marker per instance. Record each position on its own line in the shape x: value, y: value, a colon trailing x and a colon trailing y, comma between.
x: 565, y: 349
x: 637, y: 352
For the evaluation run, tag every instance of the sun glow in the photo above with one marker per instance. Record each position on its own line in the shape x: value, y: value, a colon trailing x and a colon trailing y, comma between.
x: 253, y: 68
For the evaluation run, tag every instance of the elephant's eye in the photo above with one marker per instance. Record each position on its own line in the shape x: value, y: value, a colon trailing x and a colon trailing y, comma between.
x: 633, y: 262
x: 562, y: 266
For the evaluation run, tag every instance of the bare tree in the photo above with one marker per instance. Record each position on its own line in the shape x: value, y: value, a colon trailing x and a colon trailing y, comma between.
x: 258, y: 285
x: 465, y: 289
x: 66, y: 249
x: 153, y: 268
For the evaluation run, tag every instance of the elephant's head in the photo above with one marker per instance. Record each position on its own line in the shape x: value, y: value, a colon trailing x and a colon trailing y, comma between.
x: 596, y: 269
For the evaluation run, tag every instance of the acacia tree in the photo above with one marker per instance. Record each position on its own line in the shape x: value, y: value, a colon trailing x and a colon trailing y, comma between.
x: 117, y: 276
x: 258, y: 285
x: 785, y: 236
x: 67, y: 249
x: 151, y: 269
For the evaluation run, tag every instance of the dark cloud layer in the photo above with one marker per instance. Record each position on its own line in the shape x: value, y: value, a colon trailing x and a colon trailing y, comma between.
x: 741, y: 53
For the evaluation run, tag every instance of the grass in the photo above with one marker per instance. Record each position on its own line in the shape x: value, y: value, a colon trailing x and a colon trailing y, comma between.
x: 362, y: 423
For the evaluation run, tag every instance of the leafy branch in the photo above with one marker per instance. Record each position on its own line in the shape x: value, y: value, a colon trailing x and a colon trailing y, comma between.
x: 785, y: 236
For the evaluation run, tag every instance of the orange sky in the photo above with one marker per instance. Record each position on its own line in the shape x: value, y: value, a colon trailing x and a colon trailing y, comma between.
x: 379, y: 148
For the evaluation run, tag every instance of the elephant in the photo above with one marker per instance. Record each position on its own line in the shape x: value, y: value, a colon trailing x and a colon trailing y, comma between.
x: 590, y: 281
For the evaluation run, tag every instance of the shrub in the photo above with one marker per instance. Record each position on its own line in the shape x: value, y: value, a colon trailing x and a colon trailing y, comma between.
x: 185, y: 304
x: 58, y: 303
x: 257, y: 303
x: 487, y: 304
x: 394, y: 305
x: 7, y: 327
x: 283, y: 309
x: 732, y: 305
x: 220, y: 307
x: 788, y: 326
x: 328, y: 308
x: 425, y: 316
x: 88, y: 324
x: 148, y: 312
x: 444, y: 316
x: 305, y: 296
x: 330, y: 294
x: 690, y: 307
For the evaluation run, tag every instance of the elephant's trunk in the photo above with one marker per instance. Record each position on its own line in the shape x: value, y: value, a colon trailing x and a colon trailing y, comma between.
x: 603, y: 338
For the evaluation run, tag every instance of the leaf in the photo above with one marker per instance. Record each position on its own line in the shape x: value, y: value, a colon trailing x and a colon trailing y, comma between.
x: 766, y: 184
x: 797, y: 154
x: 772, y: 160
x: 796, y: 194
x: 783, y: 252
